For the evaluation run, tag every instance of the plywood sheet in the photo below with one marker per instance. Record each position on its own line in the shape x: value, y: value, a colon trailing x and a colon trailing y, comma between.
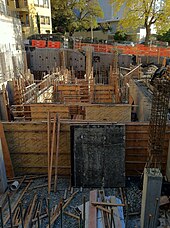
x: 109, y: 113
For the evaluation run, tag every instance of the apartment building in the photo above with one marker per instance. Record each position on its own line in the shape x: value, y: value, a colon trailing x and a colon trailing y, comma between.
x: 11, y: 48
x: 35, y: 15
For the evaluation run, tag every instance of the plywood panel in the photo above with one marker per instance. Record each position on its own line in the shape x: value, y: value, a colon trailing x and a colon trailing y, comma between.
x: 39, y: 112
x: 27, y: 144
x: 136, y: 148
x: 108, y: 113
x: 28, y: 147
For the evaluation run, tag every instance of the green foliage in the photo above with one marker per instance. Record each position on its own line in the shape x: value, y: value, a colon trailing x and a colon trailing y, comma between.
x: 71, y: 15
x: 144, y: 13
x: 164, y: 37
x: 120, y: 36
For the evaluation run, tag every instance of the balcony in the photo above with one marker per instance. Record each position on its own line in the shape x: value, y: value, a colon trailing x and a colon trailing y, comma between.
x: 21, y: 5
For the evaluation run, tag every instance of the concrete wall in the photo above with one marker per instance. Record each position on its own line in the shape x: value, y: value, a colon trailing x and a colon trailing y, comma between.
x: 45, y: 59
x: 142, y: 98
x: 98, y: 155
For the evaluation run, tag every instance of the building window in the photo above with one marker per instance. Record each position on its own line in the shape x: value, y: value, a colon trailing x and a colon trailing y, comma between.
x: 42, y: 20
x: 36, y: 2
x: 25, y: 3
x: 41, y: 3
x: 27, y: 20
x: 17, y: 3
x: 46, y: 3
x: 47, y: 20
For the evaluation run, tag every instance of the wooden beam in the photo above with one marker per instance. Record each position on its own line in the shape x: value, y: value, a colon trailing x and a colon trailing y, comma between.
x: 57, y: 152
x: 29, y: 217
x: 129, y: 73
x: 6, y: 154
x: 53, y: 147
x: 92, y: 210
x: 49, y: 144
x: 108, y: 204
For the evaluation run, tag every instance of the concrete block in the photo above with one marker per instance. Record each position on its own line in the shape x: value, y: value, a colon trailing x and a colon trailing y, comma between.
x: 152, y: 185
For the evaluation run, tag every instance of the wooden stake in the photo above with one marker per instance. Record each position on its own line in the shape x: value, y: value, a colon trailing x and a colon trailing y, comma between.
x: 57, y: 152
x: 49, y: 144
x: 52, y: 152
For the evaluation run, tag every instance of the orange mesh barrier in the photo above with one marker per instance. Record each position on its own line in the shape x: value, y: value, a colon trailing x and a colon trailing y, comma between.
x: 138, y: 49
x: 53, y: 44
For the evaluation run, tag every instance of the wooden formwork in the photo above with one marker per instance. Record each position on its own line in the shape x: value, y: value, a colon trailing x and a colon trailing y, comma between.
x: 68, y: 93
x: 103, y: 94
x: 117, y: 113
x: 28, y: 144
x: 136, y: 148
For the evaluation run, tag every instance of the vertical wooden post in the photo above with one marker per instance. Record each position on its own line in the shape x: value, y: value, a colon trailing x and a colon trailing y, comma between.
x: 57, y: 152
x: 53, y: 146
x: 49, y: 144
x: 6, y: 154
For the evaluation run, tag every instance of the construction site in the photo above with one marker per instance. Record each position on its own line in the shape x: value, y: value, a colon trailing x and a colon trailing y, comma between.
x: 85, y: 138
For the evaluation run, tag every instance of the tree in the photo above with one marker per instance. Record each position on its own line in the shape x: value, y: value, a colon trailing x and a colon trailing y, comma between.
x: 71, y: 15
x: 164, y: 37
x: 120, y: 36
x: 144, y: 13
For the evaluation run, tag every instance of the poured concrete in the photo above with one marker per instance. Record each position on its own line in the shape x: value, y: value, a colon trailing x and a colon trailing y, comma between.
x: 152, y: 184
x: 98, y: 155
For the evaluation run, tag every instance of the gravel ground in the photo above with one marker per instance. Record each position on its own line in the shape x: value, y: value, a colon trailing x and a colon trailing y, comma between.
x: 132, y: 192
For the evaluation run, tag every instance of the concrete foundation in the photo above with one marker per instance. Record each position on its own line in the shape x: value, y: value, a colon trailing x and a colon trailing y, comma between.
x: 152, y: 184
x: 3, y: 178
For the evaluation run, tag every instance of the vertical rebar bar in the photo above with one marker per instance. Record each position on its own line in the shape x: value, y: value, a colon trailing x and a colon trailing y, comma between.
x: 10, y: 211
x: 38, y: 218
x: 49, y: 219
x: 149, y: 222
x: 2, y: 222
x: 80, y: 222
x: 84, y: 211
x: 21, y: 215
x: 112, y: 223
x: 61, y: 214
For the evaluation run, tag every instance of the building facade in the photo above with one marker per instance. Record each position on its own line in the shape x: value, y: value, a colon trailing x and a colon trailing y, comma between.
x: 35, y: 15
x: 11, y: 48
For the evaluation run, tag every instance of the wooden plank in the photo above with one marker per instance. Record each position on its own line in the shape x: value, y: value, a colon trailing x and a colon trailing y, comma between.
x: 107, y: 204
x: 108, y: 113
x: 116, y: 213
x: 29, y: 217
x: 49, y: 144
x: 6, y: 154
x: 92, y: 210
x: 53, y: 148
x: 57, y: 153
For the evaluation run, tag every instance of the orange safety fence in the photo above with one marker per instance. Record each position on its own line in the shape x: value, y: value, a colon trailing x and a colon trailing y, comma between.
x: 53, y: 44
x: 39, y: 43
x: 138, y: 49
